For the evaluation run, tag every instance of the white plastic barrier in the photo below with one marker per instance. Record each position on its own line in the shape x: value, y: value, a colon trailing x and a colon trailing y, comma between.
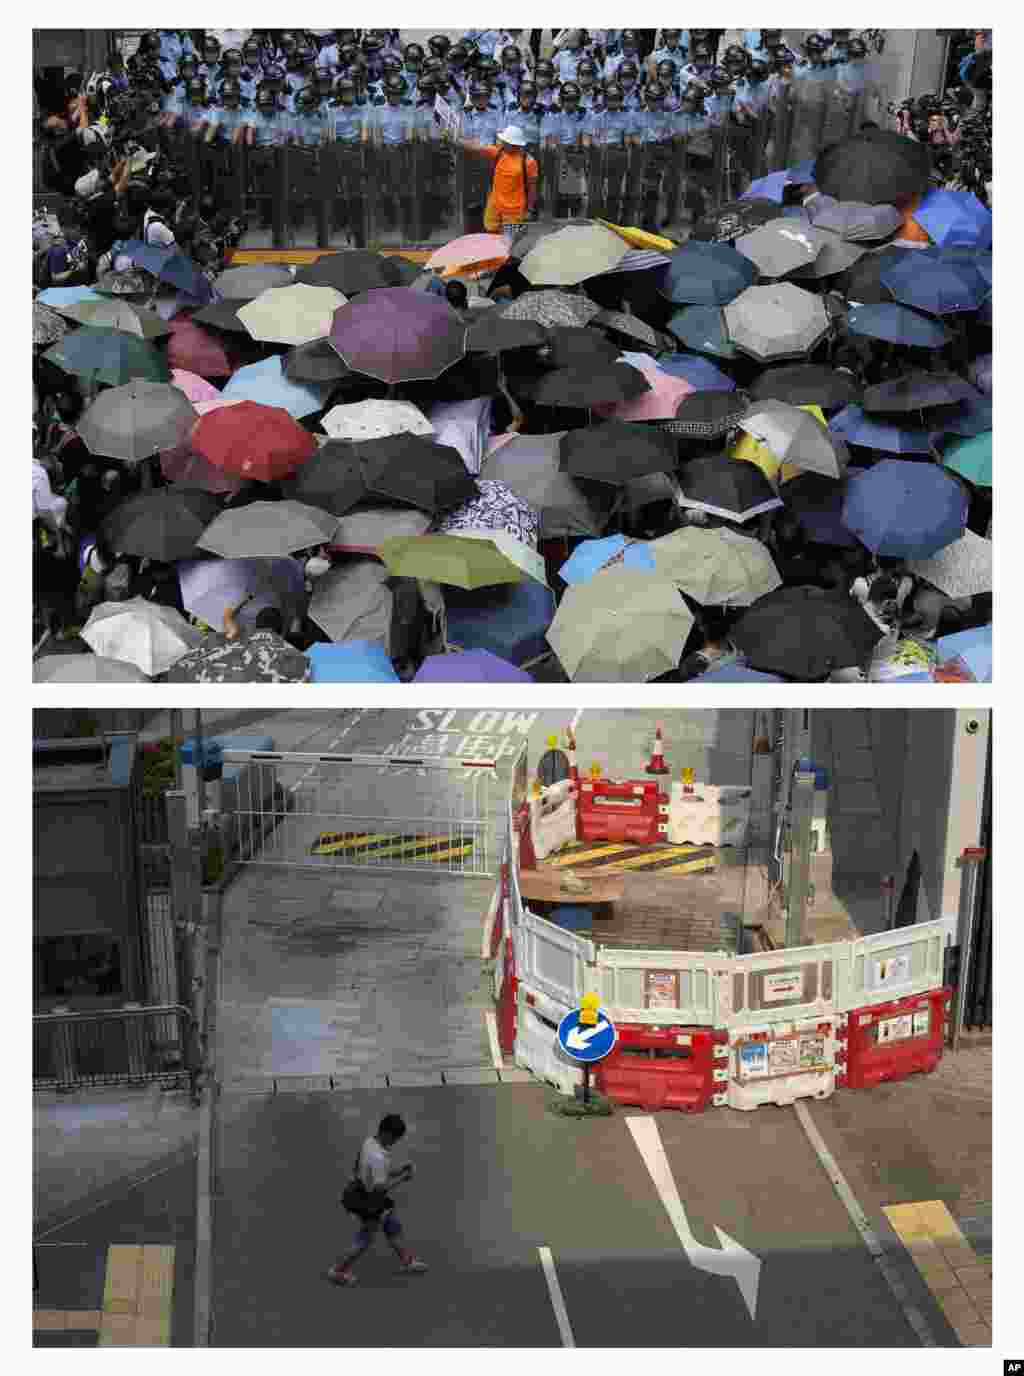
x: 778, y: 1063
x: 657, y: 987
x: 551, y: 961
x: 711, y: 815
x: 537, y: 1048
x: 553, y: 818
x: 894, y: 965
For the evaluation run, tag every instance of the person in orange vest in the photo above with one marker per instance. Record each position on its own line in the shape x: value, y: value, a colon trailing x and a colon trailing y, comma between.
x: 512, y: 198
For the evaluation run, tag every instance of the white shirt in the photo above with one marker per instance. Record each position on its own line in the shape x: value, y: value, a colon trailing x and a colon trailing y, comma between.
x: 374, y: 1165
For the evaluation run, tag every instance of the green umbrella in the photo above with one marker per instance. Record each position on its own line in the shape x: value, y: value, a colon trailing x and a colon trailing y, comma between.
x: 717, y: 568
x: 118, y: 315
x: 447, y: 559
x: 572, y: 254
x: 100, y: 354
x: 621, y: 626
x: 972, y: 459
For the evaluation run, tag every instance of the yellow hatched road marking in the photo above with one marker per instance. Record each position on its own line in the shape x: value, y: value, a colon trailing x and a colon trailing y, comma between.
x: 574, y: 857
x: 657, y: 860
x: 420, y: 843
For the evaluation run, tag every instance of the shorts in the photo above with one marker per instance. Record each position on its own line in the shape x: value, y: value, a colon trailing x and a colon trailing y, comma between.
x: 371, y: 1226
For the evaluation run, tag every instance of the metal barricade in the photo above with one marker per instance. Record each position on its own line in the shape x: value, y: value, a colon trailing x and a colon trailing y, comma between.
x: 129, y: 1045
x: 379, y: 812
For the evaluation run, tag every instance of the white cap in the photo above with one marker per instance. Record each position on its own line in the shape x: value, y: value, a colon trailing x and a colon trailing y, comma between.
x: 514, y: 135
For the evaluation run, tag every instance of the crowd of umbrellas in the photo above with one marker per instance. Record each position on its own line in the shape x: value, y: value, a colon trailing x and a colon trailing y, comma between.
x: 696, y: 433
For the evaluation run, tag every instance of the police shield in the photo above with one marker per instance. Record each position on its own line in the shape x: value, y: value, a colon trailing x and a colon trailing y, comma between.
x: 811, y: 98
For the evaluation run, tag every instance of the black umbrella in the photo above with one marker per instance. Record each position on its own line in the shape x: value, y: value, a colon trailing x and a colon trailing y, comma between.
x: 616, y: 453
x: 817, y: 503
x: 492, y: 333
x: 162, y: 524
x: 877, y: 166
x: 805, y: 384
x: 333, y: 479
x: 917, y: 390
x: 354, y: 270
x: 706, y: 415
x: 577, y: 346
x: 734, y: 218
x: 734, y: 489
x: 414, y: 470
x: 315, y: 362
x: 805, y: 633
x: 223, y: 315
x: 862, y: 282
x: 590, y: 386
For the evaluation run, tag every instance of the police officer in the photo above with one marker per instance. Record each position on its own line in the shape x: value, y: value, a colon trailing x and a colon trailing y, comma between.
x: 330, y: 54
x: 392, y: 128
x: 308, y: 134
x: 671, y: 50
x: 546, y: 80
x: 520, y: 40
x: 628, y: 51
x: 816, y: 48
x: 660, y: 133
x: 299, y: 72
x: 413, y: 58
x: 667, y: 77
x: 513, y: 71
x: 692, y: 124
x: 228, y: 118
x: 210, y: 52
x: 266, y: 129
x: 484, y: 40
x: 350, y: 132
x: 372, y: 48
x: 434, y: 154
x: 610, y: 133
x: 481, y: 122
x: 590, y: 92
x: 628, y: 80
x: 527, y: 115
x: 563, y: 141
x: 719, y: 100
x: 568, y: 58
x: 701, y: 62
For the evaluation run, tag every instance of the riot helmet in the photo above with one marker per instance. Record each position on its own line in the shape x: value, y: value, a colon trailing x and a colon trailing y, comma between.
x: 758, y: 72
x: 348, y: 55
x: 816, y: 45
x: 413, y: 56
x: 511, y: 59
x: 287, y: 43
x: 857, y: 49
x: 458, y: 57
x: 230, y: 93
x: 394, y: 87
x: 665, y: 72
x: 307, y: 100
x: 188, y: 67
x: 586, y: 75
x: 432, y: 66
x: 701, y: 54
x: 736, y: 59
x: 770, y: 38
x: 372, y: 42
x: 613, y: 95
x: 569, y: 96
x: 629, y: 42
x: 342, y: 36
x: 149, y: 44
x: 211, y: 50
x: 266, y: 97
x: 345, y: 90
x: 232, y: 62
x: 544, y: 75
x: 439, y: 44
x: 719, y: 79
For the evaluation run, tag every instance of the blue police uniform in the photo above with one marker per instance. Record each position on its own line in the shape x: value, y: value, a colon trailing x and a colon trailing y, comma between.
x: 425, y: 123
x: 226, y: 122
x: 482, y: 125
x: 329, y: 58
x: 392, y: 124
x: 852, y: 77
x: 270, y: 130
x: 530, y: 121
x: 718, y: 107
x: 752, y: 42
x: 754, y: 96
x: 611, y: 128
x: 308, y: 129
x: 348, y: 123
x: 631, y: 97
x: 566, y: 63
x: 677, y: 56
x: 658, y: 126
x: 563, y: 127
x: 485, y: 39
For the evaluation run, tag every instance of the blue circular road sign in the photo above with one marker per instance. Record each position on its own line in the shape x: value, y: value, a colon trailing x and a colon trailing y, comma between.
x: 586, y: 1043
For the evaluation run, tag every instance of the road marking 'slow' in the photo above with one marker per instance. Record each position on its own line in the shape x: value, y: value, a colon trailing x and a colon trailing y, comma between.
x: 557, y: 1302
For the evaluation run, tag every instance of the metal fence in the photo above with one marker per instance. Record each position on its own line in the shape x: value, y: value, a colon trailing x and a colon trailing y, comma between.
x: 129, y: 1045
x: 364, y: 812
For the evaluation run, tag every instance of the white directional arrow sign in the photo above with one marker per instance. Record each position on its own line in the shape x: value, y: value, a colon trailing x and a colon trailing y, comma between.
x: 732, y: 1259
x: 578, y: 1040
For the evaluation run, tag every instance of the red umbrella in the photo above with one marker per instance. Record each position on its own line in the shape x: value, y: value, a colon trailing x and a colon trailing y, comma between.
x: 195, y: 350
x: 253, y: 441
x: 183, y: 465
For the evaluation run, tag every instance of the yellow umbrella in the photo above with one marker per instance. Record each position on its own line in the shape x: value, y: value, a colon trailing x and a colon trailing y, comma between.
x: 641, y: 238
x: 746, y: 447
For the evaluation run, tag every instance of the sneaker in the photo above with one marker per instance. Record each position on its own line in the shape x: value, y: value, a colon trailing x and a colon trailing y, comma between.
x: 413, y: 1264
x: 341, y: 1275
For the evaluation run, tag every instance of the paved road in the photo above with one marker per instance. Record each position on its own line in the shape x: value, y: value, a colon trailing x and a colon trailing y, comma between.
x: 499, y: 1177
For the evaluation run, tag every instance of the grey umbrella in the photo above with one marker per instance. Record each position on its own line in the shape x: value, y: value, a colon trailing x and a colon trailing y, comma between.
x: 267, y: 530
x: 621, y: 626
x: 796, y: 436
x: 780, y: 246
x: 528, y: 464
x: 775, y: 322
x: 251, y: 280
x: 353, y: 602
x: 364, y: 531
x: 85, y: 669
x: 136, y: 420
x: 717, y: 568
x: 856, y: 221
x: 835, y: 254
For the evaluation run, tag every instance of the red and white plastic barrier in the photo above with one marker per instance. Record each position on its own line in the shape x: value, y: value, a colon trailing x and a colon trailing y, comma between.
x: 892, y: 1040
x: 633, y: 812
x: 665, y: 1067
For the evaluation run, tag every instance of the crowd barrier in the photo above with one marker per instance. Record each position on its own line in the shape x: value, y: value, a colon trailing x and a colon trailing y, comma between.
x: 706, y: 1029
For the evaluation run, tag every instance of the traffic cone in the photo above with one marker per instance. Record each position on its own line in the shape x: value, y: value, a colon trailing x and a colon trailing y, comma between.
x: 657, y: 764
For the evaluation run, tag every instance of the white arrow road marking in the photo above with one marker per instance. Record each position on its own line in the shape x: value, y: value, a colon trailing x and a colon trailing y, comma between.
x: 579, y: 1041
x: 733, y: 1259
x: 557, y: 1302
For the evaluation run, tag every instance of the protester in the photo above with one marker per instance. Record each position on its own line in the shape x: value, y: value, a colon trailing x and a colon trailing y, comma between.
x: 625, y: 126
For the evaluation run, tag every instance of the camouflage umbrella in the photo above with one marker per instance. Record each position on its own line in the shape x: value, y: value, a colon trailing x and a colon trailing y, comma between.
x: 550, y: 308
x: 47, y: 325
x: 258, y: 657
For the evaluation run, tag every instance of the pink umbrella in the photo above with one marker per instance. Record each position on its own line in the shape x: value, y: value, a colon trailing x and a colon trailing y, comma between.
x: 195, y: 387
x: 195, y: 350
x: 660, y: 403
x: 183, y: 465
x: 470, y: 254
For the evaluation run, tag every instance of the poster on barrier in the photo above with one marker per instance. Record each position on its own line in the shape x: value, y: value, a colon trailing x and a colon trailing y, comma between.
x: 753, y: 1058
x: 785, y: 984
x: 812, y: 1053
x: 922, y: 1022
x: 661, y: 988
x: 784, y: 1057
x: 895, y: 1029
x: 893, y: 970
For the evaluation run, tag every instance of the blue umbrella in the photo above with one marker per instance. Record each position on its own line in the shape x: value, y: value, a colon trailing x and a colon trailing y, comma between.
x: 703, y: 329
x: 974, y: 646
x: 736, y: 671
x: 68, y: 296
x: 898, y: 324
x: 354, y: 661
x: 803, y: 173
x: 955, y: 218
x: 510, y: 619
x: 267, y: 383
x: 903, y: 509
x: 937, y: 285
x: 817, y: 503
x: 170, y: 265
x: 858, y: 428
x: 699, y: 372
x: 967, y: 418
x: 471, y: 666
x: 591, y: 555
x: 706, y: 274
x: 771, y: 188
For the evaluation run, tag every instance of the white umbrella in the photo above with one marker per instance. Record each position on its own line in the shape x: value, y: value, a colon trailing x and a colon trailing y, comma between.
x: 142, y: 633
x: 794, y: 435
x: 962, y: 569
x: 292, y: 315
x: 371, y: 420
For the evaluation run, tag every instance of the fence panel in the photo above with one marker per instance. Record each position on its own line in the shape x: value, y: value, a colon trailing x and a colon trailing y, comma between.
x: 364, y: 812
x: 127, y: 1045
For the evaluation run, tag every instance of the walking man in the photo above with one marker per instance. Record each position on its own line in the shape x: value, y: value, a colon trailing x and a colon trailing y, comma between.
x: 367, y: 1197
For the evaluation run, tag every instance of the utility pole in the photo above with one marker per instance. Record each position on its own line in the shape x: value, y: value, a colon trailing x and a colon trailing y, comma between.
x: 186, y: 856
x: 969, y: 864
